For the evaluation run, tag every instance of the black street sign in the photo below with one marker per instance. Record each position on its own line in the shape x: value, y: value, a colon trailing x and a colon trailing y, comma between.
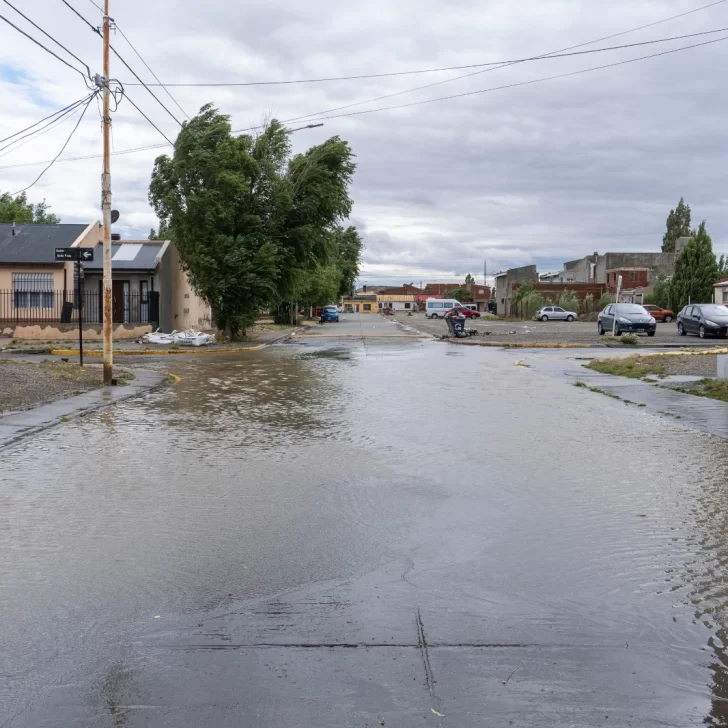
x: 85, y: 255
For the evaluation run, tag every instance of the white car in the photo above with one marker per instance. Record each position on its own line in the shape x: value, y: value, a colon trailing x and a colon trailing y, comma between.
x: 555, y: 313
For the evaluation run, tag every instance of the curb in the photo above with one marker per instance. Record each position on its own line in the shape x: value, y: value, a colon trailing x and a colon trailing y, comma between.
x: 62, y: 410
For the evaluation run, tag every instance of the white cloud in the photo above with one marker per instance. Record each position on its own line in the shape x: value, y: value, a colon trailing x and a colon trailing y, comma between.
x: 540, y: 173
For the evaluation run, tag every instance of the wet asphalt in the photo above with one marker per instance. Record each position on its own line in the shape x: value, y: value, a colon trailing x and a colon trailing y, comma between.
x: 358, y: 528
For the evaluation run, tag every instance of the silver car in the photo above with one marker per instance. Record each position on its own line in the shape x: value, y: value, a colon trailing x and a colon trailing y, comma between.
x: 555, y: 313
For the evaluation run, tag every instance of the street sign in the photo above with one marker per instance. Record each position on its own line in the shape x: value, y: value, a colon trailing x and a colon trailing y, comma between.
x: 84, y: 255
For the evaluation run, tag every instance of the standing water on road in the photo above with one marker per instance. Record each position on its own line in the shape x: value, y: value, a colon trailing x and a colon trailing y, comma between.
x: 288, y: 536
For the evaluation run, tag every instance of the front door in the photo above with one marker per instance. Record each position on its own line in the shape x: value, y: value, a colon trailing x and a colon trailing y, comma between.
x: 117, y: 301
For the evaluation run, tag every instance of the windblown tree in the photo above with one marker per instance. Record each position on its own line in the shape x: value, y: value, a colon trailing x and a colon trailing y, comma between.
x: 678, y: 226
x: 469, y: 279
x: 18, y: 209
x: 461, y: 294
x: 696, y: 271
x: 254, y: 226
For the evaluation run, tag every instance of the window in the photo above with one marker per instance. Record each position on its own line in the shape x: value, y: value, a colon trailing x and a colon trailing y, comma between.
x: 144, y: 301
x: 725, y: 295
x: 367, y: 306
x: 33, y: 290
x: 406, y: 305
x: 558, y: 309
x: 631, y: 275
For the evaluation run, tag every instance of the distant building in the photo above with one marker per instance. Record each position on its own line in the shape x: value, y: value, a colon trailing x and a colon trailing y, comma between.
x: 360, y: 303
x: 595, y: 268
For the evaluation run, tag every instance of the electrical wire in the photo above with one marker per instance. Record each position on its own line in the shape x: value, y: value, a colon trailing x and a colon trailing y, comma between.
x: 65, y: 144
x: 549, y: 56
x: 47, y: 50
x: 55, y: 113
x: 48, y: 35
x: 56, y: 122
x: 133, y: 72
x: 492, y: 64
x: 126, y: 96
x: 506, y: 86
x: 150, y: 71
x: 66, y: 112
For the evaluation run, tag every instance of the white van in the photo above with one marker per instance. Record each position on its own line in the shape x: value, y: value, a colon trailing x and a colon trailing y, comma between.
x: 438, y: 307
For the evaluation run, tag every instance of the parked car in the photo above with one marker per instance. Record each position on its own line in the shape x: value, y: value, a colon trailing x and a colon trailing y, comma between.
x: 468, y: 312
x: 329, y: 314
x: 704, y: 319
x: 555, y: 313
x: 660, y: 314
x: 629, y: 317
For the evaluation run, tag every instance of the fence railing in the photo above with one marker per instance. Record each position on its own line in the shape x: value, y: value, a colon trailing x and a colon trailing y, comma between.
x: 36, y: 307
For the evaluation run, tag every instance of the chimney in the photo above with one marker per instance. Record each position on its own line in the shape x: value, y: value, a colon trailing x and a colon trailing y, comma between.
x: 13, y: 229
x: 365, y: 288
x: 115, y: 236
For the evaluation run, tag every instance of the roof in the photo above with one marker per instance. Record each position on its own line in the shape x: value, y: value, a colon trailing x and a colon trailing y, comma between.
x: 36, y: 243
x: 394, y: 298
x: 128, y: 255
x: 723, y: 282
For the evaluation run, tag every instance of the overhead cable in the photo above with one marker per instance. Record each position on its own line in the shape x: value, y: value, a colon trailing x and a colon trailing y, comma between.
x: 55, y: 113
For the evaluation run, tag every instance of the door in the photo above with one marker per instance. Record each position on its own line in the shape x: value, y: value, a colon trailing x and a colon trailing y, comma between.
x: 695, y: 319
x: 559, y: 313
x: 608, y: 318
x: 117, y: 301
x: 687, y: 319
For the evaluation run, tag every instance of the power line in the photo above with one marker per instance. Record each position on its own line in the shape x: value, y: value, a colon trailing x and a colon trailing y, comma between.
x: 492, y: 64
x: 47, y: 50
x: 506, y: 86
x: 65, y: 144
x: 548, y: 56
x: 48, y: 35
x: 150, y: 71
x: 416, y: 103
x: 57, y: 117
x: 126, y: 96
x: 133, y: 72
x: 55, y: 113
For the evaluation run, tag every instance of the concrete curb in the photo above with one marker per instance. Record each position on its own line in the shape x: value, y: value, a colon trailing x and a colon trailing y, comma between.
x: 29, y: 422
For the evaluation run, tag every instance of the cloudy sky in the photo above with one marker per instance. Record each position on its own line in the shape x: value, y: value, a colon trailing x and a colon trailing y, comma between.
x: 540, y: 172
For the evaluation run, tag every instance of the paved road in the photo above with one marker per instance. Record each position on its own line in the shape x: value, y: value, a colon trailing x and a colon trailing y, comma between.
x: 364, y: 532
x: 551, y: 331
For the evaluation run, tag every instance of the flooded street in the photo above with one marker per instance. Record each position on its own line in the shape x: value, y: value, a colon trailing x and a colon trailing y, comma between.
x: 360, y: 532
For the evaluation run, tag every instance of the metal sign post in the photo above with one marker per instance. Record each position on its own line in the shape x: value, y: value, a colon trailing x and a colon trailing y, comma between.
x: 616, y: 301
x: 78, y: 256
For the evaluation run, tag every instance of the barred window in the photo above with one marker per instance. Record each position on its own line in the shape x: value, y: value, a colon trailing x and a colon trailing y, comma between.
x: 33, y: 290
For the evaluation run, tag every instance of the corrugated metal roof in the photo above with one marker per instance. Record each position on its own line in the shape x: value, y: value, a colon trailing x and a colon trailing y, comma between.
x: 127, y: 256
x: 36, y: 243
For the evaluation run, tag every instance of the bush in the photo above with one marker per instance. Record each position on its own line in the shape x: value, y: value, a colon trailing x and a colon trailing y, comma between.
x: 631, y: 339
x: 569, y: 300
x: 588, y: 304
x: 605, y: 300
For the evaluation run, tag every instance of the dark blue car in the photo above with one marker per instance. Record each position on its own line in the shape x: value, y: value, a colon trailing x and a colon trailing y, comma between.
x: 330, y: 313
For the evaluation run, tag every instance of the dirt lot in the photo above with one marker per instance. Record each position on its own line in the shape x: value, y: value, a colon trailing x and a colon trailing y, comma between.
x: 548, y: 332
x: 26, y: 384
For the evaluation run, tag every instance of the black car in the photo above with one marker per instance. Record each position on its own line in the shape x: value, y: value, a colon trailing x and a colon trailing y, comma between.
x: 629, y: 317
x: 703, y: 319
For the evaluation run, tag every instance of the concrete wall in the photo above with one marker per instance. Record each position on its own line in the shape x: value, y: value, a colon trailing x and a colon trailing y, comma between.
x: 69, y: 332
x: 180, y: 307
x: 501, y: 289
x: 516, y: 276
x: 658, y: 263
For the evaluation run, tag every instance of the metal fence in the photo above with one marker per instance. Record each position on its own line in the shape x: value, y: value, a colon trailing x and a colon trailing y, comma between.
x: 37, y: 307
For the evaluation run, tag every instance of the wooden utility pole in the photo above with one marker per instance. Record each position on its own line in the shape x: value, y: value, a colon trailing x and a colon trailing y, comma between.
x: 106, y: 210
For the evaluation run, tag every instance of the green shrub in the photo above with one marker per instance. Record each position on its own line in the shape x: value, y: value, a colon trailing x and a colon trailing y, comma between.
x: 569, y: 300
x: 631, y: 339
x: 605, y: 300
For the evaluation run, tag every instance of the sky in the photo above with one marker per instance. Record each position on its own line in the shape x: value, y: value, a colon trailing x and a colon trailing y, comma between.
x: 541, y: 172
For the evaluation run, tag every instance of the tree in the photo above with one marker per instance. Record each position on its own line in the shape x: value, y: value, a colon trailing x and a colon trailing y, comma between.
x: 469, y: 279
x: 722, y: 268
x: 678, y: 226
x: 696, y: 271
x: 461, y: 294
x: 348, y: 252
x: 253, y: 225
x: 605, y: 299
x: 569, y: 300
x: 161, y: 234
x: 19, y: 210
x: 660, y: 293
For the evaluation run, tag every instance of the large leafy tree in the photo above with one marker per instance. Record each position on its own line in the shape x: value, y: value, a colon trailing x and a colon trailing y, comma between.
x: 696, y: 271
x: 660, y: 293
x: 251, y: 222
x: 348, y: 251
x: 461, y: 294
x: 678, y: 226
x: 18, y: 209
x: 469, y: 279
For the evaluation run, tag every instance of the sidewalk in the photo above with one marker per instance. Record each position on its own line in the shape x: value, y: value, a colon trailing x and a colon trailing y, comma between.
x: 18, y: 425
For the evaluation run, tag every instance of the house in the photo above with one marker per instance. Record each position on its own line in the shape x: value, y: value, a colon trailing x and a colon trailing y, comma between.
x: 595, y: 268
x: 398, y: 301
x: 38, y: 297
x: 360, y: 303
x: 721, y: 291
x: 33, y: 286
x: 506, y: 282
x: 479, y: 291
x: 148, y: 286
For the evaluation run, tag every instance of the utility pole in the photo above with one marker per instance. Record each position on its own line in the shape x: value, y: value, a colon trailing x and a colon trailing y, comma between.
x: 485, y: 272
x: 106, y: 210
